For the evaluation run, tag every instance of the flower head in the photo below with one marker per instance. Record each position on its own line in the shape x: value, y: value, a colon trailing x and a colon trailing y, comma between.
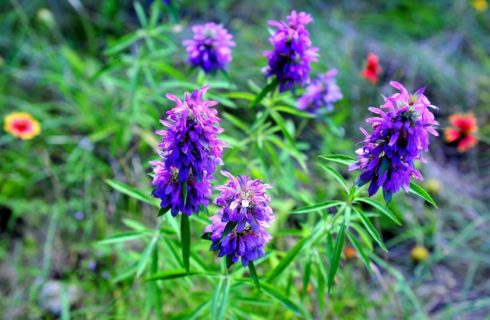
x: 400, y: 134
x: 419, y: 253
x: 191, y: 151
x: 210, y: 49
x: 321, y: 94
x: 372, y: 69
x: 462, y: 130
x: 244, y: 201
x: 22, y: 125
x: 246, y: 245
x: 290, y: 59
x: 238, y: 228
x: 480, y: 5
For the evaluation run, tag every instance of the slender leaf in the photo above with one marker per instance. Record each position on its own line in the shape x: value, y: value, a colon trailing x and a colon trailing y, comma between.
x: 173, y: 274
x: 253, y: 274
x: 185, y: 234
x: 370, y: 228
x: 355, y: 243
x: 132, y: 192
x: 339, y: 158
x: 281, y: 298
x: 268, y: 88
x: 383, y: 209
x: 419, y: 191
x: 317, y: 207
x: 123, y: 237
x: 334, y: 173
x: 335, y: 259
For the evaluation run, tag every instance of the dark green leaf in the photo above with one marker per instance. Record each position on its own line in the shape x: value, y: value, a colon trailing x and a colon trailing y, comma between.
x: 268, y: 88
x: 419, y: 191
x: 173, y: 274
x: 253, y: 274
x: 163, y: 211
x: 184, y: 192
x: 185, y: 234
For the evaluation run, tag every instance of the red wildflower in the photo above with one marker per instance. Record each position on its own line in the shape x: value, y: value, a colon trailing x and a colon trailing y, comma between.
x: 372, y: 69
x: 461, y: 132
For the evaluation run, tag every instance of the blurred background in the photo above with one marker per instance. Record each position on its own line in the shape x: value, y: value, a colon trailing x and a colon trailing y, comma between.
x: 95, y: 74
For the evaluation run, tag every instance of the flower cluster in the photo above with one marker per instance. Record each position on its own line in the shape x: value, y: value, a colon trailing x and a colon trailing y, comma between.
x: 372, y: 69
x: 321, y: 94
x: 238, y: 228
x: 462, y: 130
x: 400, y: 133
x: 210, y: 49
x: 191, y: 151
x: 22, y: 125
x: 290, y: 59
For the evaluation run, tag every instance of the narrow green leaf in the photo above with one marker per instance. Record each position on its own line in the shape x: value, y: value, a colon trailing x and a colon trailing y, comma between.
x: 132, y: 192
x: 383, y: 209
x: 145, y: 257
x: 216, y: 297
x: 370, y: 228
x: 268, y: 88
x: 140, y: 12
x: 337, y: 252
x: 294, y: 111
x: 334, y: 173
x: 173, y: 274
x: 123, y: 237
x: 163, y: 211
x: 281, y: 298
x: 339, y: 158
x: 281, y: 123
x: 253, y: 274
x: 419, y: 191
x: 288, y: 259
x: 360, y: 250
x: 185, y: 234
x: 306, y: 276
x: 317, y: 207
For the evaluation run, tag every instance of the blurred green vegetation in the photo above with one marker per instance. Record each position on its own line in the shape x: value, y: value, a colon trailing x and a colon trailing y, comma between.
x: 94, y: 73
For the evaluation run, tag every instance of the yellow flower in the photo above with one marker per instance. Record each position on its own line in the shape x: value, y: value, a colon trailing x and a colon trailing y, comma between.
x: 419, y: 253
x: 480, y: 5
x: 22, y: 125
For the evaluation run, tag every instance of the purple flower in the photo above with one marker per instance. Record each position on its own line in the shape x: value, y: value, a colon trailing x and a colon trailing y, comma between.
x: 238, y: 228
x: 290, y: 59
x: 321, y: 94
x: 400, y: 134
x: 191, y: 151
x: 244, y: 201
x: 210, y: 48
x: 246, y: 244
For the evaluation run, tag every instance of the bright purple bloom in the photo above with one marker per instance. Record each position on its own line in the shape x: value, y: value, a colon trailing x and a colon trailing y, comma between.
x: 244, y: 201
x: 321, y: 94
x: 210, y: 48
x: 191, y: 151
x: 400, y: 134
x: 290, y: 59
x: 238, y: 228
x: 246, y: 244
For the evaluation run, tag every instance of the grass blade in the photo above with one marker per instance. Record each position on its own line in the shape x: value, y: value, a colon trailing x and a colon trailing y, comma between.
x: 419, y: 191
x: 281, y: 298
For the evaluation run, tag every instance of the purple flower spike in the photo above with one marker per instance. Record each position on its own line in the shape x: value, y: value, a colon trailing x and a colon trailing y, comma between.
x: 238, y: 228
x: 290, y: 59
x: 244, y: 201
x: 321, y: 94
x: 400, y: 134
x: 246, y: 244
x: 191, y: 151
x: 210, y: 49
